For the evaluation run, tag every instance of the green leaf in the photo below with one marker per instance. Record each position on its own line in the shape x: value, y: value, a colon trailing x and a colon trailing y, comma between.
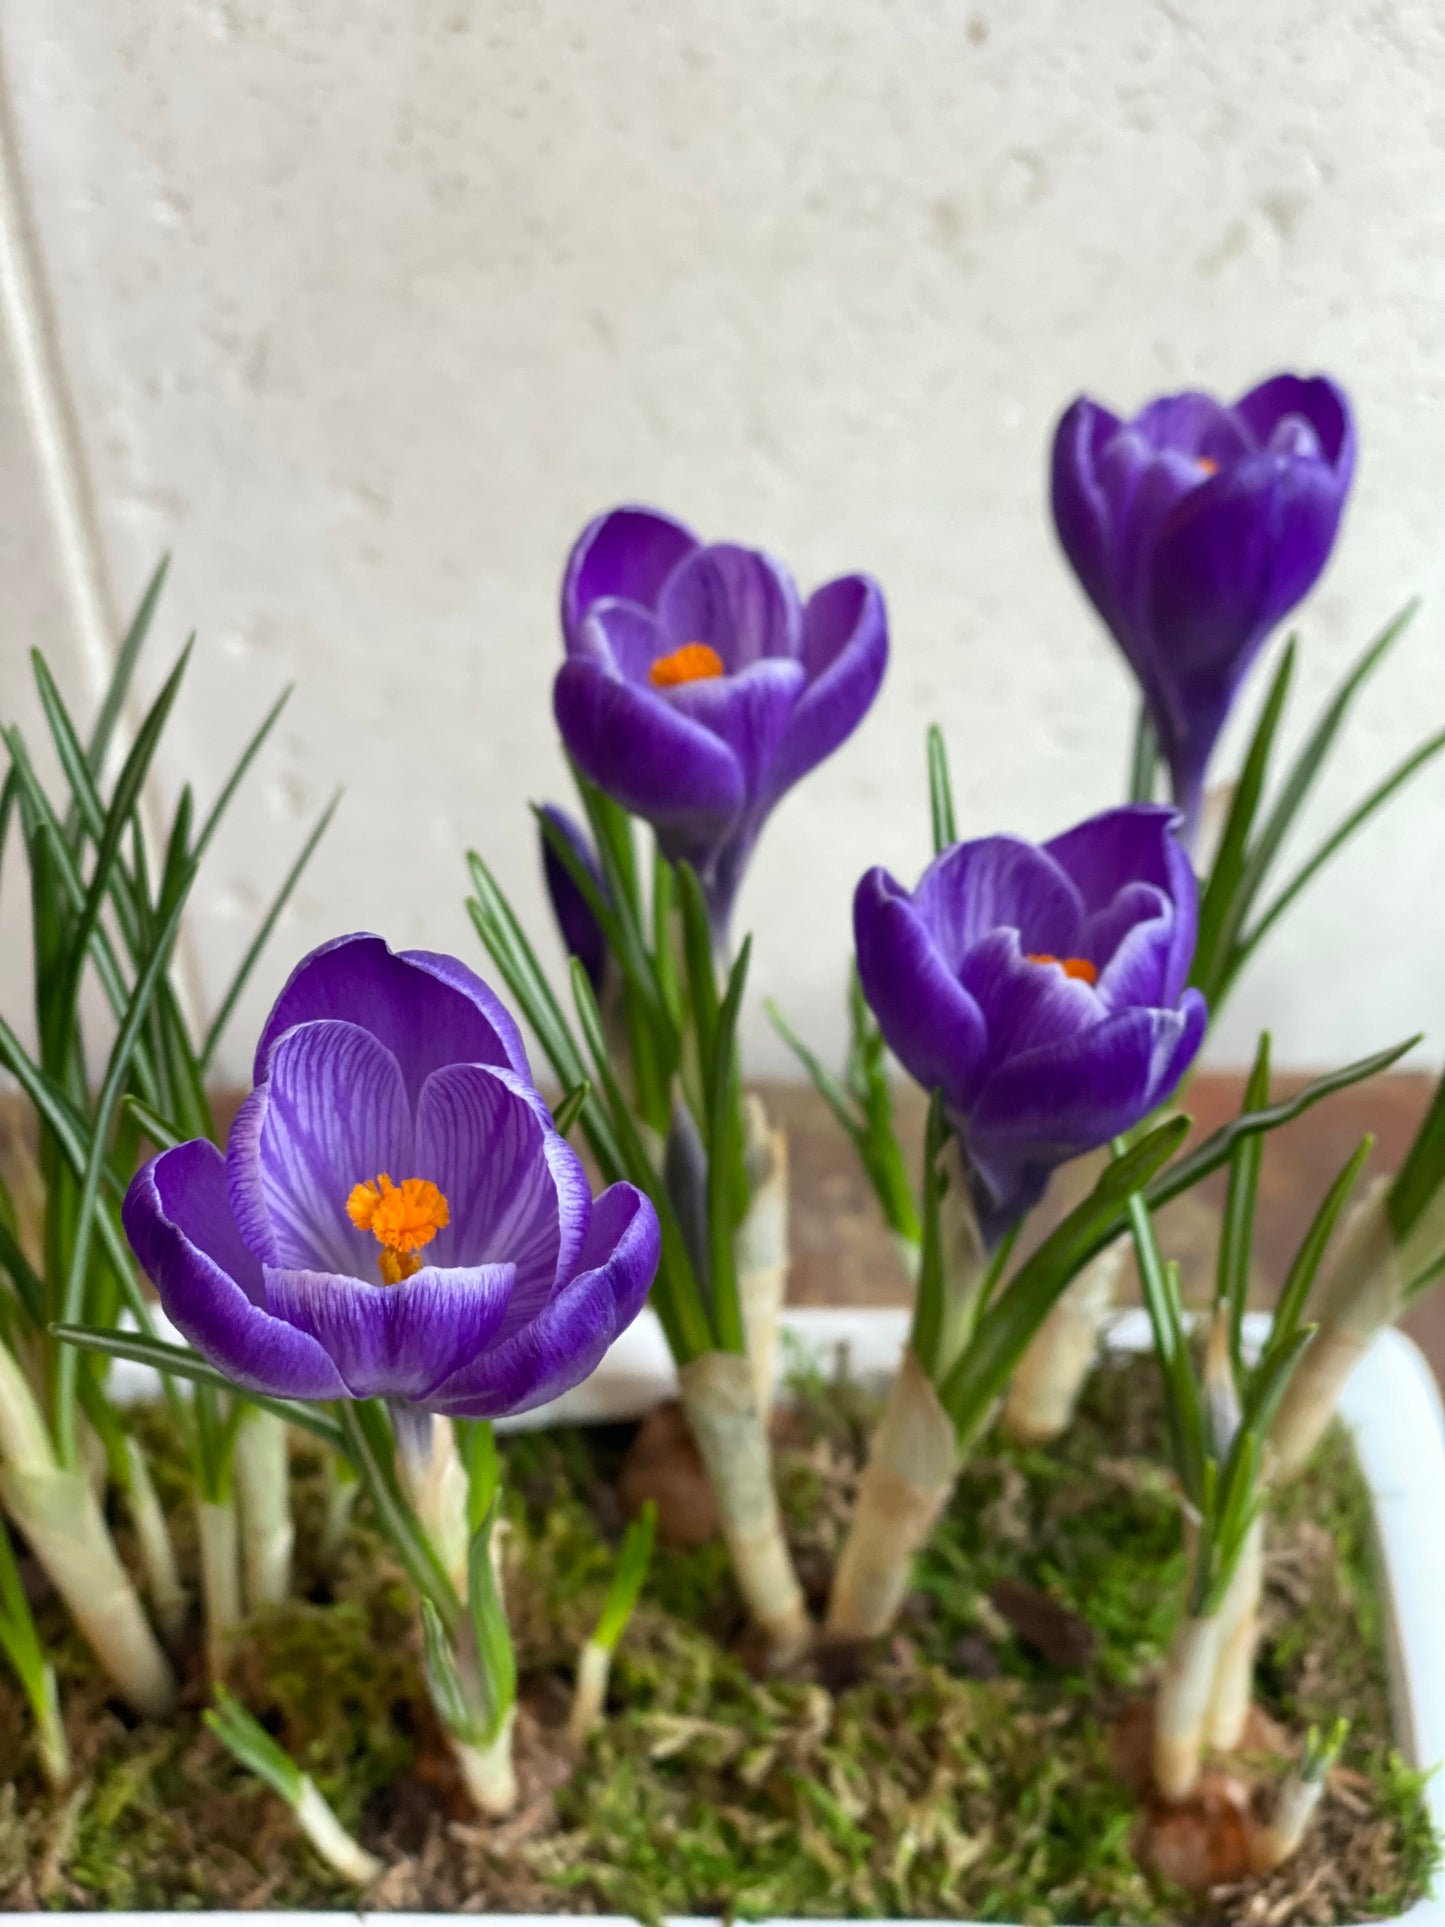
x: 727, y: 1185
x: 506, y: 943
x: 1004, y: 1330
x: 1144, y: 758
x: 929, y: 1309
x: 1236, y: 1231
x: 113, y: 702
x: 698, y: 957
x: 484, y: 1470
x: 1183, y: 1406
x: 675, y: 1294
x: 262, y: 937
x: 1222, y: 908
x: 1423, y: 1172
x: 179, y: 1361
x: 448, y: 1695
x: 489, y: 1626
x: 570, y: 1109
x: 940, y: 793
x: 1311, y: 759
x: 1307, y: 1260
x: 1219, y: 1145
x: 237, y: 776
x: 244, y: 1737
x: 1338, y: 837
x: 628, y: 1576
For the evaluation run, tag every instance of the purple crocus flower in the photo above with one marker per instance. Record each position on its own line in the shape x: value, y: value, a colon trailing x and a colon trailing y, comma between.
x: 580, y: 931
x: 698, y: 686
x: 395, y: 1215
x: 1194, y: 529
x: 1041, y: 988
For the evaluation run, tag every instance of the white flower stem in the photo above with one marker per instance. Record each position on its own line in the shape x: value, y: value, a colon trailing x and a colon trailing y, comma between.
x: 589, y: 1694
x: 57, y: 1511
x: 435, y: 1481
x: 1281, y: 1836
x: 155, y: 1545
x: 732, y: 1437
x: 262, y: 1472
x: 1233, y: 1690
x: 488, y: 1772
x: 216, y: 1527
x: 762, y: 1247
x: 343, y: 1488
x: 332, y: 1841
x: 1363, y: 1293
x: 1050, y: 1377
x: 1182, y: 1705
x: 913, y: 1461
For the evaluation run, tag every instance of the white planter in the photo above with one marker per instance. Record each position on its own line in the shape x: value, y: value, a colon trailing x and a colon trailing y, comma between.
x: 1391, y: 1405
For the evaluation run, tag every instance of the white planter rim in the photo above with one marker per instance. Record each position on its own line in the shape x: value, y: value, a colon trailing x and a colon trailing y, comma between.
x: 1391, y: 1406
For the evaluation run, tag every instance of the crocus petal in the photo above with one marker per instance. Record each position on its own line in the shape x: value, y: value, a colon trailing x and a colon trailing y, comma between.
x: 739, y: 601
x: 1025, y: 1005
x: 565, y: 1341
x: 1314, y: 399
x: 845, y: 654
x: 628, y: 552
x: 1080, y: 507
x: 427, y: 1009
x: 749, y: 712
x: 1195, y: 425
x: 993, y: 883
x: 648, y: 756
x: 1046, y: 1106
x: 928, y: 1020
x: 178, y: 1219
x: 394, y: 1341
x: 516, y: 1191
x: 1117, y: 849
x: 331, y: 1114
x: 622, y: 637
x: 581, y: 933
x: 1133, y: 943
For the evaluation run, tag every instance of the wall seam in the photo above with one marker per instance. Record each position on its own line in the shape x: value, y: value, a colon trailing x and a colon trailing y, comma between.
x: 70, y: 513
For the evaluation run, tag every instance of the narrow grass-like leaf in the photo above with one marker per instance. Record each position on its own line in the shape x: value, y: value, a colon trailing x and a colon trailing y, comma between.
x: 726, y: 1177
x: 1423, y: 1172
x: 238, y: 773
x: 244, y: 1737
x: 490, y: 1629
x: 675, y: 1292
x: 126, y: 658
x: 1236, y: 1231
x: 179, y: 1361
x: 940, y: 793
x: 1340, y: 835
x: 570, y: 1108
x: 263, y: 935
x: 628, y: 1576
x: 1220, y: 911
x: 1307, y: 1260
x: 1143, y: 758
x: 1004, y: 1330
x: 1311, y: 758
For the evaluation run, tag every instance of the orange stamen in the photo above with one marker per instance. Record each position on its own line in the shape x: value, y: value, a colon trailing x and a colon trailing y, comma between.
x: 694, y: 662
x: 401, y: 1217
x: 1209, y: 465
x: 1079, y: 967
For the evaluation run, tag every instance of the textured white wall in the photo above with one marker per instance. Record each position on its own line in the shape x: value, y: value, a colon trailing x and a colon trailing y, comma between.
x: 362, y: 308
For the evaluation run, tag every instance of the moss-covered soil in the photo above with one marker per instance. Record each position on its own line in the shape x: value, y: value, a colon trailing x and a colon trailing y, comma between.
x: 963, y: 1769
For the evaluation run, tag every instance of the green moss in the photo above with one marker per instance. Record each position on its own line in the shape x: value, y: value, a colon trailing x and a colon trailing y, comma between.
x: 958, y: 1774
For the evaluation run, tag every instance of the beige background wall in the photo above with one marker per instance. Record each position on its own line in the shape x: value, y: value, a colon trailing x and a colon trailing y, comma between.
x: 363, y: 307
